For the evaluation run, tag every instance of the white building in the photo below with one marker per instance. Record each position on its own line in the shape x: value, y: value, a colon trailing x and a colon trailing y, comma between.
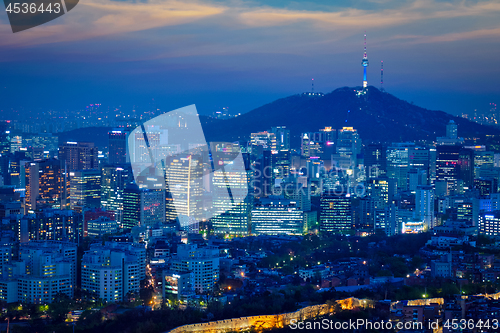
x: 203, y: 262
x: 113, y: 270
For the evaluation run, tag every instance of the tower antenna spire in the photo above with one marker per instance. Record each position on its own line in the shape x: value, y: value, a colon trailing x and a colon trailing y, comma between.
x: 382, y: 75
x: 364, y: 62
x: 312, y: 80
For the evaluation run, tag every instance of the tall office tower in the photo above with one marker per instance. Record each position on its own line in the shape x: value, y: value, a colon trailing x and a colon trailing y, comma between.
x: 448, y: 166
x: 485, y: 186
x: 262, y: 141
x: 114, y: 179
x: 424, y: 206
x: 305, y: 145
x: 85, y: 189
x: 46, y: 185
x: 349, y: 144
x: 276, y: 215
x: 281, y: 165
x: 95, y: 214
x: 375, y: 160
x: 184, y: 176
x: 452, y: 130
x: 298, y: 193
x: 203, y: 262
x: 49, y: 269
x: 131, y: 206
x: 117, y: 146
x: 152, y: 207
x: 489, y: 223
x: 387, y: 220
x: 4, y: 170
x: 335, y: 213
x: 16, y: 143
x: 466, y: 167
x: 113, y: 271
x: 50, y: 224
x: 229, y: 218
x: 78, y: 156
x: 419, y: 158
x: 282, y: 135
x: 364, y: 62
x: 398, y: 163
x: 4, y: 137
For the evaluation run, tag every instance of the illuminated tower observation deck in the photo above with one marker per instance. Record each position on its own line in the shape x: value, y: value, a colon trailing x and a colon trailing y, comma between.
x: 364, y: 62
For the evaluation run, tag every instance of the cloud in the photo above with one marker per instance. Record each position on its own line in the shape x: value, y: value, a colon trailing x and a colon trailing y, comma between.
x: 262, y: 27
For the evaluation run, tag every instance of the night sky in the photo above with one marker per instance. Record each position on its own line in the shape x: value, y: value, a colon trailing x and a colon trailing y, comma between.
x: 242, y: 54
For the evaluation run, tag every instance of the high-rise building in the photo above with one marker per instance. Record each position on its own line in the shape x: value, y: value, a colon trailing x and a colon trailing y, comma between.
x: 78, y: 156
x: 114, y: 179
x: 282, y: 135
x: 452, y: 164
x: 375, y: 160
x: 117, y: 146
x: 113, y: 271
x: 230, y: 218
x: 489, y: 223
x: 335, y: 213
x: 203, y: 262
x: 4, y: 137
x: 50, y: 225
x: 184, y: 176
x: 46, y: 184
x: 452, y: 130
x: 349, y: 144
x: 85, y: 189
x: 131, y: 206
x: 142, y: 207
x: 276, y: 215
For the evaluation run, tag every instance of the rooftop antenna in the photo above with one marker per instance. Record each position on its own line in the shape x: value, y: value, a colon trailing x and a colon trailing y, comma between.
x: 364, y: 62
x: 312, y: 86
x: 382, y: 76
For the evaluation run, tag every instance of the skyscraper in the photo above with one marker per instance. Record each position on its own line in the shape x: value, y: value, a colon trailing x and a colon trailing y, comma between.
x: 117, y: 146
x: 45, y: 184
x: 335, y: 213
x: 114, y: 179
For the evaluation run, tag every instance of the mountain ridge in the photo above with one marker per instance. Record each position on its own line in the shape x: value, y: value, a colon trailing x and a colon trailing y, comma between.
x: 378, y: 116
